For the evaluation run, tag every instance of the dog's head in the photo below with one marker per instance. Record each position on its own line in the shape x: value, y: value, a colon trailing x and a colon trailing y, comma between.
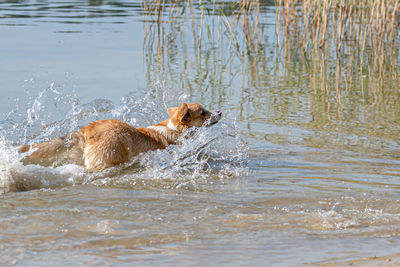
x: 192, y: 115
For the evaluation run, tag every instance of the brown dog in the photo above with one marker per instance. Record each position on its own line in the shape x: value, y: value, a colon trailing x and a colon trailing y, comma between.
x: 106, y: 143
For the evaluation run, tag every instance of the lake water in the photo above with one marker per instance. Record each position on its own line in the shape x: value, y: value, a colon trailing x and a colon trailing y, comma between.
x: 298, y: 172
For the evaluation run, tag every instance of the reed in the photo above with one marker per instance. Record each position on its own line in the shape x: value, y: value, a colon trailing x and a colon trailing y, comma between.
x: 341, y: 57
x: 227, y: 31
x: 359, y: 36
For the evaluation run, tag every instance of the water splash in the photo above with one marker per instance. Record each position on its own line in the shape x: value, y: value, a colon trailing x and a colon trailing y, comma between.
x: 210, y: 155
x: 204, y: 156
x: 8, y: 160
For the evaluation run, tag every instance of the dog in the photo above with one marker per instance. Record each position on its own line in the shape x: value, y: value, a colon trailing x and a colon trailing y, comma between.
x: 106, y: 143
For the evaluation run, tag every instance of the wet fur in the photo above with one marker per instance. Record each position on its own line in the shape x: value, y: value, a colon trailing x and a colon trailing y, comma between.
x: 106, y: 143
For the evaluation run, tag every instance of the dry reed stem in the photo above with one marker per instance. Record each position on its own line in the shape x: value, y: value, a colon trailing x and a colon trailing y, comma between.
x: 367, y: 30
x: 229, y: 27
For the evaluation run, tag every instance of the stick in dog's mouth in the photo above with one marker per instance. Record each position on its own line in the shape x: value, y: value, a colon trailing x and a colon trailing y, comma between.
x: 214, y: 118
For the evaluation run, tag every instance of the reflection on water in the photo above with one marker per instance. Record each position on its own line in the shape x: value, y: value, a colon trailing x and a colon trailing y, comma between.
x: 75, y: 12
x: 306, y: 156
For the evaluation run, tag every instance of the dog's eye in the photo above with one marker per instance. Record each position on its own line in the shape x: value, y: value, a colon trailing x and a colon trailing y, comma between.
x: 186, y: 117
x: 203, y: 113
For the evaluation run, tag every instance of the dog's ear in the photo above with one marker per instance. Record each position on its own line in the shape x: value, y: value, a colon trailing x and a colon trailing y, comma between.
x: 183, y: 112
x: 172, y: 111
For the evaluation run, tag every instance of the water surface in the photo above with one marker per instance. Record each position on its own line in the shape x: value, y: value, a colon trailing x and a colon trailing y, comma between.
x: 296, y: 173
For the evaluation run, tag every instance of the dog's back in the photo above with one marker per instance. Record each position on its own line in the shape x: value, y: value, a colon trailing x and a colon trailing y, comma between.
x: 98, y: 145
x: 110, y: 142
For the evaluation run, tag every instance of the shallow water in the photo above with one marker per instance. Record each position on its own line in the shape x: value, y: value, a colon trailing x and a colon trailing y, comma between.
x: 292, y: 175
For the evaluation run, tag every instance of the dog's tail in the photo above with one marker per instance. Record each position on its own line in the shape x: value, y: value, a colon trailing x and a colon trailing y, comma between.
x: 57, y: 149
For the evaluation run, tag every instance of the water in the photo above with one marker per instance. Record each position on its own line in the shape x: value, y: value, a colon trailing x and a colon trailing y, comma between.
x: 292, y: 175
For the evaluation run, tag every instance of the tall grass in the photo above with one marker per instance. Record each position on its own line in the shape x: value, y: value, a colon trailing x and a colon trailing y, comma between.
x: 226, y: 31
x: 341, y: 57
x: 340, y: 38
x: 360, y: 37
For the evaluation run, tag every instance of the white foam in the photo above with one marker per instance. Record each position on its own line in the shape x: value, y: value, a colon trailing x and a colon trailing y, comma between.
x: 36, y: 177
x: 9, y: 159
x: 14, y: 176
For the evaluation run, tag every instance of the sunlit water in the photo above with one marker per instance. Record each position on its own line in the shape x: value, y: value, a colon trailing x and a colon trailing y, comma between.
x: 289, y: 176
